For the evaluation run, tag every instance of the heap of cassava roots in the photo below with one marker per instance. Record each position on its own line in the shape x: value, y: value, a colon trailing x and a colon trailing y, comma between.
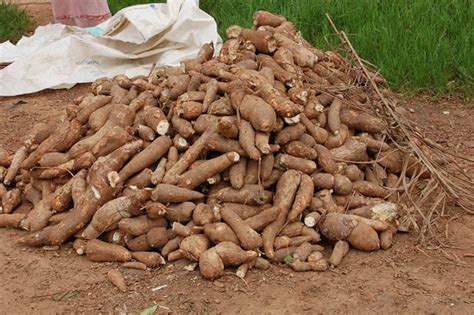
x: 248, y: 158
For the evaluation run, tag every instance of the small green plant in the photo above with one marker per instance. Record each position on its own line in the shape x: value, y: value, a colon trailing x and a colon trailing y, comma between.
x: 149, y: 310
x: 14, y: 22
x: 288, y: 259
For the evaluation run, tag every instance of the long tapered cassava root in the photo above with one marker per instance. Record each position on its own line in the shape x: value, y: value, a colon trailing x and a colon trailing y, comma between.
x: 245, y: 159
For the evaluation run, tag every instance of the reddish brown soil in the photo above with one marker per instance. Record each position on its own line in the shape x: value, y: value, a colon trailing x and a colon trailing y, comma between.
x: 41, y: 13
x: 404, y: 279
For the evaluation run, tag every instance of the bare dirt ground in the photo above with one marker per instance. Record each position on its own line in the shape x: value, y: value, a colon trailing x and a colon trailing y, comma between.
x: 408, y: 278
x: 41, y: 13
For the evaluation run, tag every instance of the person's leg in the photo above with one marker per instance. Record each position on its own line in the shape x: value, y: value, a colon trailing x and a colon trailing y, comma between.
x: 92, y: 12
x: 83, y: 13
x: 62, y: 11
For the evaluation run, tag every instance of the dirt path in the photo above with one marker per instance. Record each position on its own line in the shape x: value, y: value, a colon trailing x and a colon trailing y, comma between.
x: 401, y: 280
x: 404, y: 279
x: 41, y: 13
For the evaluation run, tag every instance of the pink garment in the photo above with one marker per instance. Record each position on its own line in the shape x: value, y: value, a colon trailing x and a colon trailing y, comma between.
x: 82, y: 13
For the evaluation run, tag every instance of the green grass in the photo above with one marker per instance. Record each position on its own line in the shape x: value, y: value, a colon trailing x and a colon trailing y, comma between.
x: 14, y: 23
x: 418, y: 45
x: 116, y: 5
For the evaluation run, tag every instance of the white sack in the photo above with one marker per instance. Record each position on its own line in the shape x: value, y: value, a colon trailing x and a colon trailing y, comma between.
x: 59, y: 56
